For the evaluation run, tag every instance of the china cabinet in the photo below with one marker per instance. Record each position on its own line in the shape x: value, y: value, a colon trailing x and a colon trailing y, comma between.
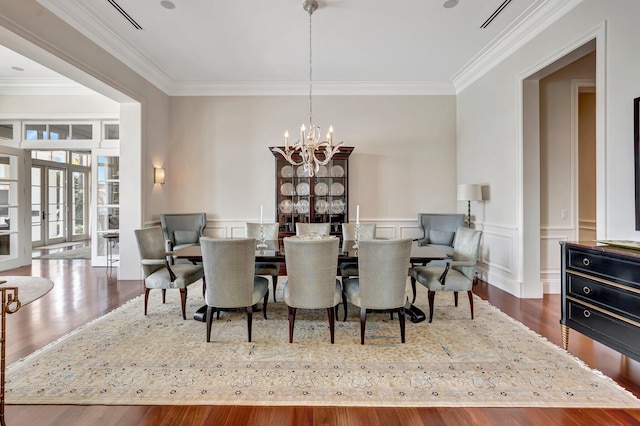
x: 322, y: 198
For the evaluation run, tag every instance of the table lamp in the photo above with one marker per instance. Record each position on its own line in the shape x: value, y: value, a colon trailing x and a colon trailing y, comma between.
x: 469, y: 192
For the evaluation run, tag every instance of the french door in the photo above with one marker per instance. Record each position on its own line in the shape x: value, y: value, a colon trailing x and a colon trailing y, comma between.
x: 49, y: 205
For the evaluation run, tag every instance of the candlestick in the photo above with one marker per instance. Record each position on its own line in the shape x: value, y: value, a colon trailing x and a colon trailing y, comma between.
x: 261, y: 213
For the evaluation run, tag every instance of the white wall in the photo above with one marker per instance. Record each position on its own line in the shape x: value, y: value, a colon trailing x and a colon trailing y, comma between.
x: 403, y: 162
x: 77, y: 105
x: 489, y: 122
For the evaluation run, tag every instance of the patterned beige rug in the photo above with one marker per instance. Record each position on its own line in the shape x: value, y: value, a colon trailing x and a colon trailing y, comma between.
x: 125, y: 358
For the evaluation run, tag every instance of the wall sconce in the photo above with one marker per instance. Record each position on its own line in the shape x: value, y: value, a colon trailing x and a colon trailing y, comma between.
x: 158, y: 175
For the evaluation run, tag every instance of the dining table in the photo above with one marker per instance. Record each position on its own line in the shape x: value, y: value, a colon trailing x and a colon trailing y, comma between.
x: 272, y: 251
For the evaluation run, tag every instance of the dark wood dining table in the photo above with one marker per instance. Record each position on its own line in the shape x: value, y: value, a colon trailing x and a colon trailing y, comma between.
x: 274, y: 253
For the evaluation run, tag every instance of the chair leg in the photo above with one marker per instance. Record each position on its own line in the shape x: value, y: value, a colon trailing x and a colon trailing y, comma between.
x: 332, y: 322
x: 183, y: 302
x: 401, y: 317
x: 264, y: 304
x: 413, y: 287
x: 455, y: 298
x: 274, y: 281
x: 209, y: 319
x: 146, y: 299
x: 249, y: 320
x: 164, y: 295
x: 344, y: 303
x: 432, y: 296
x: 470, y: 294
x: 363, y: 322
x: 204, y: 288
x: 292, y: 320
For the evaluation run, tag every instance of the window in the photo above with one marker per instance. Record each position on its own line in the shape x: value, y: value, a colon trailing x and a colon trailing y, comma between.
x: 6, y: 131
x: 112, y: 131
x: 56, y: 156
x: 58, y: 132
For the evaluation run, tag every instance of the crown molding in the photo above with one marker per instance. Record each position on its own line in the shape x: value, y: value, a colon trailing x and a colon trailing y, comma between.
x: 300, y: 88
x: 42, y: 87
x: 531, y: 22
x: 85, y: 20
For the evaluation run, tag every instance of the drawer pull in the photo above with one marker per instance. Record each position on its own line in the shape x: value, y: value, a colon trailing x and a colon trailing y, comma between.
x: 586, y: 261
x: 586, y: 313
x: 586, y: 290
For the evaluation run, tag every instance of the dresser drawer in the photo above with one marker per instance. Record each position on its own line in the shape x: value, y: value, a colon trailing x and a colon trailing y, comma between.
x: 610, y: 296
x: 621, y: 335
x: 605, y: 265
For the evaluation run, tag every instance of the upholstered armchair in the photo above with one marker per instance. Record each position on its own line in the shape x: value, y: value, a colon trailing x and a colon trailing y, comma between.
x: 311, y: 277
x: 158, y: 273
x: 439, y: 229
x: 381, y: 281
x: 231, y: 282
x: 318, y: 228
x: 182, y: 229
x: 458, y: 273
x: 270, y: 234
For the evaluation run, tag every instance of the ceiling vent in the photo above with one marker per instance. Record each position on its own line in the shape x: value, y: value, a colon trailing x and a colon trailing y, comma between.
x: 125, y: 14
x: 495, y: 14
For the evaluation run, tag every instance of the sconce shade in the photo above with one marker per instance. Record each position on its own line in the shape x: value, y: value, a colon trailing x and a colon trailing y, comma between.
x: 469, y: 192
x: 158, y: 175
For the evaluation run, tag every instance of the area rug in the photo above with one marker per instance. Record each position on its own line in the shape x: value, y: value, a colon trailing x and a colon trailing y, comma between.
x: 81, y: 253
x: 125, y: 358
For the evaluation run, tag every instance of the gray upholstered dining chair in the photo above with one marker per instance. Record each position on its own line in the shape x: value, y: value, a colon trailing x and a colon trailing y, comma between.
x: 381, y: 281
x: 439, y: 229
x: 458, y: 274
x: 350, y: 269
x: 270, y: 234
x: 318, y: 228
x: 182, y: 229
x: 311, y: 277
x: 158, y: 273
x: 231, y: 282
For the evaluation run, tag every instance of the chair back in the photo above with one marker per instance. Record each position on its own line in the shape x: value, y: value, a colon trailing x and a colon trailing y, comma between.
x: 318, y: 228
x: 383, y: 266
x: 367, y: 231
x: 270, y: 230
x: 439, y: 228
x: 311, y: 271
x: 466, y: 247
x: 228, y: 271
x: 183, y: 228
x: 151, y: 248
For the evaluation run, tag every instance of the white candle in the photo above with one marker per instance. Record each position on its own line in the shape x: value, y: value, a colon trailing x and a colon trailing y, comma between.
x: 261, y: 214
x: 358, y: 214
x: 286, y: 140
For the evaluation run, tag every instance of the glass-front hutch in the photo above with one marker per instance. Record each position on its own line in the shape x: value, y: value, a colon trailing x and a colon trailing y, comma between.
x: 322, y: 198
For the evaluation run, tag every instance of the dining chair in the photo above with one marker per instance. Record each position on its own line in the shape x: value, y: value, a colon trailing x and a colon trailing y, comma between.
x: 157, y: 270
x: 318, y: 228
x: 270, y: 234
x: 231, y: 281
x: 350, y: 269
x: 381, y: 281
x: 458, y: 273
x: 311, y: 277
x: 182, y: 229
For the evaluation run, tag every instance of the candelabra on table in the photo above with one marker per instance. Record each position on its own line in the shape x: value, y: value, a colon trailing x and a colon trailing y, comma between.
x: 261, y: 238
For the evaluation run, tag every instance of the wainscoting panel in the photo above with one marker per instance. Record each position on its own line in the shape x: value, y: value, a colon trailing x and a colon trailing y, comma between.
x: 550, y: 256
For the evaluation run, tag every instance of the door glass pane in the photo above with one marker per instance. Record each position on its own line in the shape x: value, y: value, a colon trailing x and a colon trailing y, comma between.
x: 108, y: 218
x: 55, y: 208
x: 80, y: 158
x: 108, y: 168
x: 78, y: 203
x: 36, y: 208
x: 5, y: 167
x: 112, y: 131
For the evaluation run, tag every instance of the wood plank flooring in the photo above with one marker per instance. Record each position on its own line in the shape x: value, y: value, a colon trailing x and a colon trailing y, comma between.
x: 83, y: 293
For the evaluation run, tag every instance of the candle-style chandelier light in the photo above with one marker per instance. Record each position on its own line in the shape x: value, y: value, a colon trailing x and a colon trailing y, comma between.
x: 309, y: 146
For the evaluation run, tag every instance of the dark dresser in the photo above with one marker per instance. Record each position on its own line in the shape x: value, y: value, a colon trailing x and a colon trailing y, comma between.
x: 601, y: 295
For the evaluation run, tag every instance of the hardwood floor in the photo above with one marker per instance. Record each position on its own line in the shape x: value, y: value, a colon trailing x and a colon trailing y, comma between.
x: 83, y: 293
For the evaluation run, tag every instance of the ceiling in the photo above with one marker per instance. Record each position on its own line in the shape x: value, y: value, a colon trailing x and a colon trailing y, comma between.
x: 227, y: 47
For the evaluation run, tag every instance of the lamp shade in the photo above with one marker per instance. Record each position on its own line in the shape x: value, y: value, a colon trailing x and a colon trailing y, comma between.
x: 469, y: 192
x: 158, y: 175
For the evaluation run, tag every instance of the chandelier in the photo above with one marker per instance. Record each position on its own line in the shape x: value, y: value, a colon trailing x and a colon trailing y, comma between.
x: 306, y: 150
